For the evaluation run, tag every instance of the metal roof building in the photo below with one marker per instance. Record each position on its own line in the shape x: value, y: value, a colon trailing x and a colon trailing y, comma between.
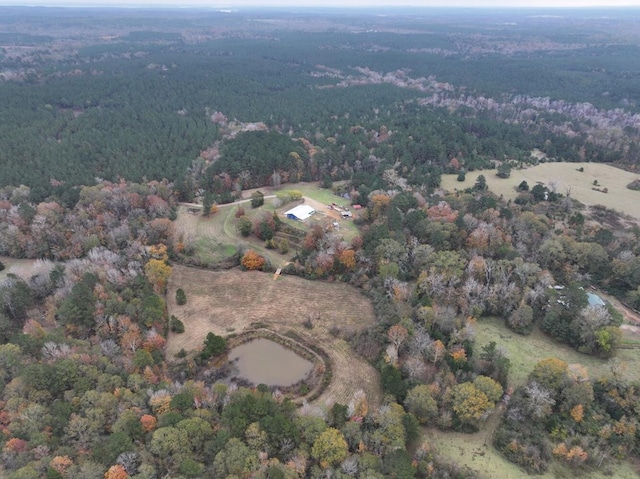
x: 300, y: 212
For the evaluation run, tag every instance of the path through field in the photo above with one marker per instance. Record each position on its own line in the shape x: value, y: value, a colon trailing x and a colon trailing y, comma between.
x: 225, y: 302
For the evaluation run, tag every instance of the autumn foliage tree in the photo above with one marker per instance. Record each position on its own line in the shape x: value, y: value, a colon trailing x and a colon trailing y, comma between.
x: 252, y: 261
x: 116, y: 472
x: 330, y: 448
x: 470, y: 404
x: 158, y: 273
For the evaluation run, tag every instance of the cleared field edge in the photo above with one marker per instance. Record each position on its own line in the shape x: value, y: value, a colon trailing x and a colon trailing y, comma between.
x: 525, y: 351
x: 230, y: 302
x: 565, y: 177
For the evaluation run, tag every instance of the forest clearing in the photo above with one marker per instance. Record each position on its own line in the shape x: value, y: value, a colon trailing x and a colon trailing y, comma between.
x: 525, y: 351
x: 567, y: 178
x: 476, y: 452
x: 232, y: 301
x: 215, y: 237
x: 16, y: 266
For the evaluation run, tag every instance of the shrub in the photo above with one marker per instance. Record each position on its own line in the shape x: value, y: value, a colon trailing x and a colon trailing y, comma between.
x: 283, y: 246
x: 257, y: 199
x: 176, y: 325
x: 214, y: 345
x: 634, y: 185
x: 252, y: 261
x: 244, y: 225
x: 181, y: 297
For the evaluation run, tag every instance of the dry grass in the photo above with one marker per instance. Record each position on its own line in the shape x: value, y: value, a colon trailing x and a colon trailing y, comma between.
x: 229, y: 302
x: 565, y: 177
x: 19, y: 267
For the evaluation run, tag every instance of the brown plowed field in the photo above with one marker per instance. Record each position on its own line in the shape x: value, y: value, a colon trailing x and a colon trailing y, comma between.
x: 226, y: 302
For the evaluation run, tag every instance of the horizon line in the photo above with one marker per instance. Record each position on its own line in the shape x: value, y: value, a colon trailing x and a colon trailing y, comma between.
x: 128, y: 6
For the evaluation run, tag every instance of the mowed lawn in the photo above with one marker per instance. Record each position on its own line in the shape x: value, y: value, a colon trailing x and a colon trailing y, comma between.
x: 565, y: 176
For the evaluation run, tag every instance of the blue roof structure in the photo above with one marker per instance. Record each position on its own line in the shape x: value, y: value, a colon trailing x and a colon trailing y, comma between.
x: 595, y: 300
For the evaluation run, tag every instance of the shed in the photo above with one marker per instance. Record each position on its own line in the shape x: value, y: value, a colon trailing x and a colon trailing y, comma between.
x: 300, y: 212
x: 595, y: 300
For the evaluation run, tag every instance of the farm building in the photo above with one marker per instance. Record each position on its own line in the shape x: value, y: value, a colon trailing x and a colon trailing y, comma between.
x: 300, y: 212
x: 595, y: 300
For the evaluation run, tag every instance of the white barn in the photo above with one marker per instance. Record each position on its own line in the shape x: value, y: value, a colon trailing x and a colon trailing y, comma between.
x: 300, y: 212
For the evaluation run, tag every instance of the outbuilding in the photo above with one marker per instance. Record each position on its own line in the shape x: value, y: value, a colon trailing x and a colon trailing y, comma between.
x: 300, y: 213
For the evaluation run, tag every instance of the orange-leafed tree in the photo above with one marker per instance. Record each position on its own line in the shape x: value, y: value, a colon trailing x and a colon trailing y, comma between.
x: 61, y: 463
x: 148, y: 422
x: 348, y: 258
x: 116, y: 472
x: 16, y: 445
x: 252, y: 260
x: 577, y: 413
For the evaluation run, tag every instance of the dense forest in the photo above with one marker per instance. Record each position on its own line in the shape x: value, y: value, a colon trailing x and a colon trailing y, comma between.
x: 110, y: 119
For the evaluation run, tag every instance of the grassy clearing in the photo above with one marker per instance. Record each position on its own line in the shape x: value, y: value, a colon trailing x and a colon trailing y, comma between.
x: 312, y: 190
x: 19, y: 267
x: 525, y: 351
x: 215, y: 237
x: 225, y: 302
x: 476, y: 452
x: 565, y: 176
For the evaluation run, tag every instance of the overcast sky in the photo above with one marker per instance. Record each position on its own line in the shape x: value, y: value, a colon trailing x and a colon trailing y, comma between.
x: 332, y: 3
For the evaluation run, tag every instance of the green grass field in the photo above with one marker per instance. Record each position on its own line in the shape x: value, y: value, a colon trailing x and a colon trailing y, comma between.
x: 525, y: 351
x: 215, y: 238
x: 476, y: 452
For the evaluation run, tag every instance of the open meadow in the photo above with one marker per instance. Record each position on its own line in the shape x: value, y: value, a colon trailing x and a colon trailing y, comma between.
x: 19, y: 267
x: 525, y: 351
x: 565, y: 177
x: 232, y: 301
x: 476, y: 452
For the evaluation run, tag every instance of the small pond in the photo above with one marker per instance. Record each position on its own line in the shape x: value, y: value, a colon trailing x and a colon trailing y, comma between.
x: 263, y: 361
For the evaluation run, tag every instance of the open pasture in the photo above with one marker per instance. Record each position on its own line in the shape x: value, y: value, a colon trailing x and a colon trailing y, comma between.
x: 476, y: 452
x: 226, y: 302
x: 565, y: 177
x: 525, y: 351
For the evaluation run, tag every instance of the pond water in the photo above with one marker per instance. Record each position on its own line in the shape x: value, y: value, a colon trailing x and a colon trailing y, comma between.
x: 266, y: 362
